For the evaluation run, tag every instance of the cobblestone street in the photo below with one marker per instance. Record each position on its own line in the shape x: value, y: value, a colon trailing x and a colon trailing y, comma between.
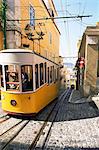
x: 76, y: 127
x: 49, y: 75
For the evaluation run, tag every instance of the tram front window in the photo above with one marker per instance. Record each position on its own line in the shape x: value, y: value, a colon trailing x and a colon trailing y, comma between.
x: 12, y: 77
x: 27, y: 78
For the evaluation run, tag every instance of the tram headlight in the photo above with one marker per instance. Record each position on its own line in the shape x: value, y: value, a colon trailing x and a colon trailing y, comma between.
x: 13, y: 102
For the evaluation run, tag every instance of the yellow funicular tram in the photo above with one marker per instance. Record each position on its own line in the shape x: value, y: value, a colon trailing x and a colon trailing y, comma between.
x: 28, y: 81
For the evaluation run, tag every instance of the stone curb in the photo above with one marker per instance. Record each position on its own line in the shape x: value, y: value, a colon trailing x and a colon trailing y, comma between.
x: 76, y: 98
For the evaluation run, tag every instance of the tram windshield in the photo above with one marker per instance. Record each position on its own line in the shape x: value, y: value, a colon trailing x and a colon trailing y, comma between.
x: 12, y: 77
x: 27, y: 78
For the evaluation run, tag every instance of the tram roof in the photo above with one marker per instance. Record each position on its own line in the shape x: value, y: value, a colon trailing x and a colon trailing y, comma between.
x: 16, y: 51
x: 8, y: 51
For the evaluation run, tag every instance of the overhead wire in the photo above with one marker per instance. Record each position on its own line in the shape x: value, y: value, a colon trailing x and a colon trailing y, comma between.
x: 67, y: 12
x: 54, y: 18
x: 80, y: 19
x: 76, y: 19
x: 81, y: 22
x: 38, y: 24
x: 79, y: 9
x: 84, y: 7
x: 65, y: 21
x: 68, y: 32
x: 65, y: 26
x: 84, y: 24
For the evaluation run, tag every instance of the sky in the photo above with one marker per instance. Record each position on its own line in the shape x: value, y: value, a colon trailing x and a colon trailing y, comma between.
x: 73, y: 29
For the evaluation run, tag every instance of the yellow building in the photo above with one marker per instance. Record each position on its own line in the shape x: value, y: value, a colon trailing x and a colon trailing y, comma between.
x: 30, y: 24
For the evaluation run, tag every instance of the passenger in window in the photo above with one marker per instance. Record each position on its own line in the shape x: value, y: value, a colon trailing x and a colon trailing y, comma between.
x: 12, y: 77
x: 24, y: 80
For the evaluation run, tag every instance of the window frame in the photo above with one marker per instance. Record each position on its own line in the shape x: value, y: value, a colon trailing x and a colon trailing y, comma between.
x: 48, y: 75
x: 37, y: 84
x: 32, y: 15
x: 51, y: 74
x: 45, y: 72
x: 13, y: 86
x: 41, y: 74
x: 30, y: 80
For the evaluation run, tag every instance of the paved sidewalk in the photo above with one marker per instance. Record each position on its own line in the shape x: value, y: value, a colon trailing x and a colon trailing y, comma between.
x: 76, y: 126
x: 76, y: 97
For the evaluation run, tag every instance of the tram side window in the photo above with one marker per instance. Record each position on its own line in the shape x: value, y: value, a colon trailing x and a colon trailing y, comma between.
x: 41, y: 74
x: 55, y: 75
x: 27, y: 78
x: 1, y: 77
x: 45, y: 73
x: 51, y: 74
x: 36, y: 76
x: 48, y: 75
x: 12, y: 77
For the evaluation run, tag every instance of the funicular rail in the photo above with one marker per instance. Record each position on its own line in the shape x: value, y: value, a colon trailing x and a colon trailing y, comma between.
x: 4, y: 118
x: 29, y: 134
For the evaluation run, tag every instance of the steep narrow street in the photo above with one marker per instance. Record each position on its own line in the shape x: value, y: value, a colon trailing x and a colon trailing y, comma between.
x: 72, y: 126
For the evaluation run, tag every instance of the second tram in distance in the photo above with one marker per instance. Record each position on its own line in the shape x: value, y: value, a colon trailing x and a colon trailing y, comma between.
x: 29, y: 81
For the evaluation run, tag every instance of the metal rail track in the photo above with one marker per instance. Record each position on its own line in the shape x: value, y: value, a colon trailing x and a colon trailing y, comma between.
x: 12, y: 127
x: 49, y: 130
x: 10, y: 136
x: 52, y: 115
x: 20, y: 126
x: 4, y: 118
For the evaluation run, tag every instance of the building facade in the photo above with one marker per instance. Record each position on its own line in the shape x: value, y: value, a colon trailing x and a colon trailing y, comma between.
x: 88, y: 61
x: 30, y: 24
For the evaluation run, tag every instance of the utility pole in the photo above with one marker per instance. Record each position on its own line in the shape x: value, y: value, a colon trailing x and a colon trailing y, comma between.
x: 4, y: 22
